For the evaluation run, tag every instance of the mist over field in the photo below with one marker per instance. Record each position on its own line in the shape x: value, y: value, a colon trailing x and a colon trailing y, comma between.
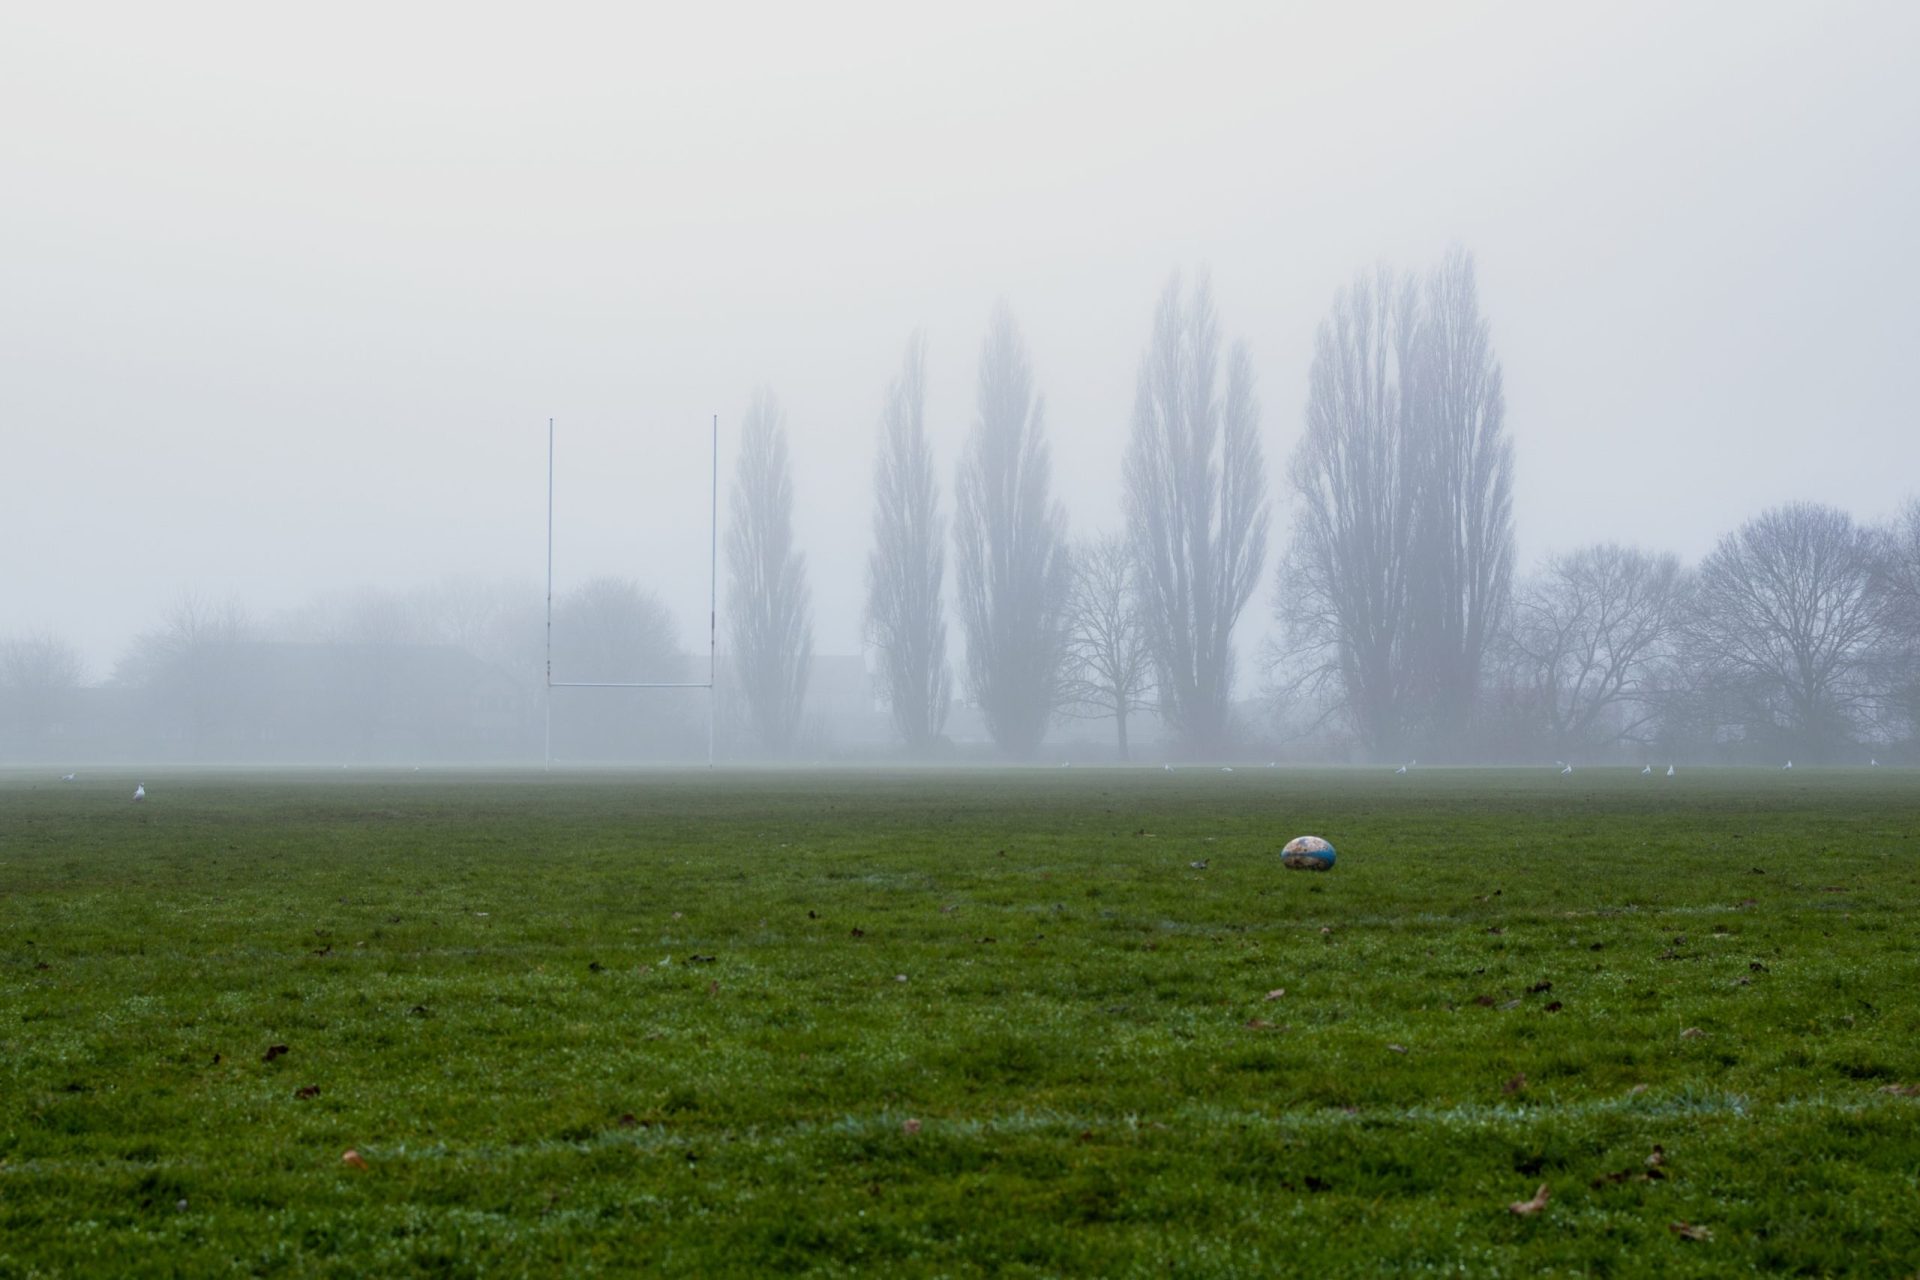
x: 1388, y: 382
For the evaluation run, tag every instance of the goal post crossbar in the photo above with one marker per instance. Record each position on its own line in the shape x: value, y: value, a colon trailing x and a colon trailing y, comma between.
x: 713, y: 610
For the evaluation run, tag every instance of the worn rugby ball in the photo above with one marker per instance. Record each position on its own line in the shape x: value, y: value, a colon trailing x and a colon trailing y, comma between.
x: 1307, y: 853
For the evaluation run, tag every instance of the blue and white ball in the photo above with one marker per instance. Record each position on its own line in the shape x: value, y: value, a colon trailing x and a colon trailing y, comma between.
x: 1307, y: 853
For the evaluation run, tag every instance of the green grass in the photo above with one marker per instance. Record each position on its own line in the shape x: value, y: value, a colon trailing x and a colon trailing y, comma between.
x: 988, y: 1023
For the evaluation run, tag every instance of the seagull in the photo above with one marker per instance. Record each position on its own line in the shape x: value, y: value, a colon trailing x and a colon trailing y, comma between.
x: 1669, y: 771
x: 1565, y: 769
x: 1788, y: 765
x: 139, y: 791
x: 1226, y: 768
x: 1167, y: 767
x: 66, y: 777
x: 1647, y: 772
x: 1273, y: 764
x: 1397, y: 772
x: 1871, y: 764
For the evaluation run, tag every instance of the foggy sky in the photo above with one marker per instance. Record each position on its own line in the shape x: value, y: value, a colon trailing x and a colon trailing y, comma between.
x: 286, y: 298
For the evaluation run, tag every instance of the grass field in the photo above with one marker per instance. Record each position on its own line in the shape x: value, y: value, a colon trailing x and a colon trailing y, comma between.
x: 1013, y: 1023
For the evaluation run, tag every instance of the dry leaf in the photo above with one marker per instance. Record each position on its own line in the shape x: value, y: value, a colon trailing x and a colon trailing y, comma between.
x: 1276, y: 993
x: 1397, y: 1048
x: 910, y: 1126
x: 1658, y: 1158
x: 274, y: 1051
x: 1538, y: 987
x: 1688, y: 1231
x: 1516, y: 1084
x: 308, y: 1091
x: 1535, y: 1205
x: 352, y: 1160
x: 1902, y: 1090
x: 1261, y: 1024
x: 1692, y: 1033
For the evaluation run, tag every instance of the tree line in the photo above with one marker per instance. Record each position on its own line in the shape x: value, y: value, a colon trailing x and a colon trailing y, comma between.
x: 1400, y: 628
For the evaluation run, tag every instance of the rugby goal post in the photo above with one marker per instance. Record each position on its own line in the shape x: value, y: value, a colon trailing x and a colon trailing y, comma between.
x: 713, y: 610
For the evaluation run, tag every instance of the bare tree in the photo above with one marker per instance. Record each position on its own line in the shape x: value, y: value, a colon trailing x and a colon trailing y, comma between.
x: 1787, y: 614
x: 1463, y: 549
x: 906, y: 616
x: 1900, y: 586
x: 1403, y: 548
x: 770, y: 619
x: 40, y: 675
x: 1344, y: 591
x: 1196, y: 508
x: 182, y: 668
x: 612, y: 629
x: 1590, y: 635
x: 1011, y: 561
x: 1109, y: 672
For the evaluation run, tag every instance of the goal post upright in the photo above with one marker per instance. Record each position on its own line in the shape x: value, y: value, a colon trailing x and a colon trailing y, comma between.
x: 710, y: 684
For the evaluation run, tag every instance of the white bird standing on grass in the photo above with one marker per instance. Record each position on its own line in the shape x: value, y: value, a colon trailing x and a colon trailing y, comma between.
x: 66, y: 777
x: 1647, y: 772
x: 1565, y: 769
x: 139, y: 791
x: 1669, y: 771
x: 1788, y: 765
x: 1397, y: 772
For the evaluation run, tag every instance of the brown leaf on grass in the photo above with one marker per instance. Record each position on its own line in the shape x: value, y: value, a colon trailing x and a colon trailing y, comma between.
x: 1494, y: 928
x: 1397, y: 1048
x: 1538, y: 987
x: 628, y: 1121
x: 1658, y: 1158
x: 1516, y: 1084
x: 1637, y: 1089
x: 1692, y: 1033
x: 1902, y: 1090
x: 1261, y: 1024
x: 1275, y: 994
x: 859, y: 932
x: 1485, y: 1002
x: 1554, y: 1006
x: 275, y: 1051
x: 910, y: 1127
x: 1689, y: 1231
x: 713, y: 988
x: 307, y: 1091
x: 594, y: 966
x: 699, y: 959
x: 1525, y: 1207
x: 352, y: 1160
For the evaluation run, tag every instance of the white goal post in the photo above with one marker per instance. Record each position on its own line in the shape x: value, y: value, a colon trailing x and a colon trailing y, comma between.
x: 713, y: 610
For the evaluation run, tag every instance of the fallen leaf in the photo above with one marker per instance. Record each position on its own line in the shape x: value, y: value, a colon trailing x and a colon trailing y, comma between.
x: 910, y: 1126
x: 1261, y: 1024
x: 1688, y: 1231
x: 352, y: 1160
x: 1485, y: 1002
x: 419, y: 1011
x: 1397, y: 1048
x: 628, y: 1121
x: 1554, y: 1006
x: 1538, y: 987
x: 275, y: 1051
x: 859, y: 933
x: 713, y: 988
x: 1276, y: 993
x: 594, y: 966
x: 1516, y: 1084
x: 1692, y: 1033
x: 1639, y: 1088
x: 1535, y: 1205
x: 1658, y: 1158
x: 1902, y: 1090
x: 699, y: 959
x: 1326, y: 928
x: 1199, y: 866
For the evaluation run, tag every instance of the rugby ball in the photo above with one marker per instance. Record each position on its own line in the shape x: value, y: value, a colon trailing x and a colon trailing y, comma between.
x: 1307, y: 853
